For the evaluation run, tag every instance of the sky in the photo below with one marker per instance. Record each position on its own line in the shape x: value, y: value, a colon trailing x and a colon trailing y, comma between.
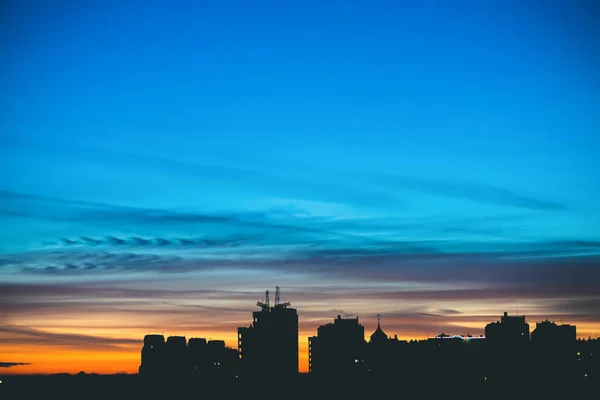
x: 163, y: 163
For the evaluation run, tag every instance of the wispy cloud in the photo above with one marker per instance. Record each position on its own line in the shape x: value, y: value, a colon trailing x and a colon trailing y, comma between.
x: 473, y: 191
x: 19, y: 334
x: 111, y: 216
x: 255, y: 171
x: 4, y: 364
x: 111, y: 241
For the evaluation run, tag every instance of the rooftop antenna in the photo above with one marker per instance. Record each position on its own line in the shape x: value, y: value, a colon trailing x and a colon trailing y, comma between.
x: 378, y: 317
x: 278, y: 302
x: 265, y: 305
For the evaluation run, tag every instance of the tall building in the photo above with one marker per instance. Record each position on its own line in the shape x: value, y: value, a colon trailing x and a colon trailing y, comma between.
x: 270, y: 343
x: 153, y: 356
x: 176, y: 357
x: 338, y: 349
x: 510, y: 329
x: 507, y: 350
x: 554, y: 352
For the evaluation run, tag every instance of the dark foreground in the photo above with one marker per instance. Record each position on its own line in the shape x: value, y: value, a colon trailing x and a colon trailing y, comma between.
x: 116, y: 387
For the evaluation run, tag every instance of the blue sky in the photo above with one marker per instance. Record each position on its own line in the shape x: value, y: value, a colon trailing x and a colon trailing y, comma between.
x: 406, y: 156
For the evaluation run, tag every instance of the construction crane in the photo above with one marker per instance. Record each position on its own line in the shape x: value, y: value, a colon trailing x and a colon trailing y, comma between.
x: 278, y: 299
x: 265, y: 305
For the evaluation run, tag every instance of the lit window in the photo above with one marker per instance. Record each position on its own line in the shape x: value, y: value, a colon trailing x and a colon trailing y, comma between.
x: 585, y: 375
x: 355, y: 361
x: 578, y: 354
x: 485, y: 378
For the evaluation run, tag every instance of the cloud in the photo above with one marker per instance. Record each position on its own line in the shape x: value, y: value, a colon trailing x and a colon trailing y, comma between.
x: 29, y: 292
x: 21, y: 335
x: 385, y: 280
x: 195, y: 242
x: 108, y: 216
x: 447, y: 311
x: 584, y: 304
x: 114, y: 241
x: 257, y: 172
x: 11, y: 364
x: 474, y: 191
x: 90, y: 241
x: 433, y: 261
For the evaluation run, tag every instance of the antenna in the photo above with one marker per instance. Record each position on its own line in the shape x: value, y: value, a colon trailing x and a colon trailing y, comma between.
x: 265, y: 305
x: 278, y: 302
x: 378, y: 316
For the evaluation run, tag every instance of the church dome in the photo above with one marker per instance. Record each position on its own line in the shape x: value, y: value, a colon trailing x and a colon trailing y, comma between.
x: 379, y: 335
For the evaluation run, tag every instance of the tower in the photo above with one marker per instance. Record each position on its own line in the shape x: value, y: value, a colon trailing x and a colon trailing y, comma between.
x: 270, y: 344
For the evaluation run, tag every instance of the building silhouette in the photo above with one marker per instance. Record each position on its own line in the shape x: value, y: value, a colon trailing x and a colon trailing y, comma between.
x: 507, y: 357
x: 458, y: 358
x: 588, y: 360
x: 176, y: 360
x: 507, y: 350
x: 384, y: 355
x: 553, y: 352
x: 443, y: 358
x: 338, y: 349
x: 153, y: 356
x: 212, y: 360
x: 270, y: 342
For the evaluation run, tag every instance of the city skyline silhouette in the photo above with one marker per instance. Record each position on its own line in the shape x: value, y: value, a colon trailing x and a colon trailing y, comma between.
x: 509, y: 359
x: 423, y: 173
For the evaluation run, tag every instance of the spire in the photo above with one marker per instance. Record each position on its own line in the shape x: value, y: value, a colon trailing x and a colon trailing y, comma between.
x: 379, y: 335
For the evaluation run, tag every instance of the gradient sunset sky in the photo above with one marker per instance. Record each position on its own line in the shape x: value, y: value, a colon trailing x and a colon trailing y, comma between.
x: 164, y: 163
